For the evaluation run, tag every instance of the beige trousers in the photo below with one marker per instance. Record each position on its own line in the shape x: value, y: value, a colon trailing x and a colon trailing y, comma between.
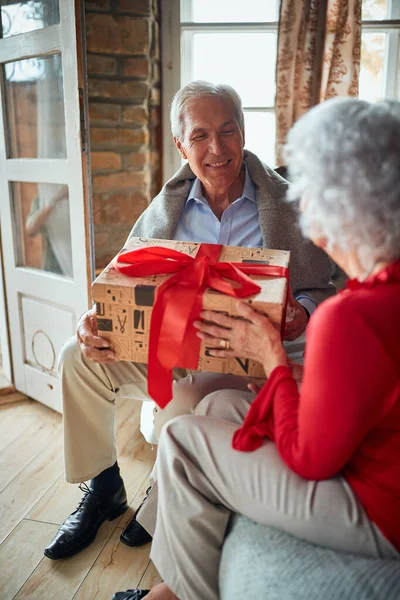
x: 89, y: 391
x: 202, y: 480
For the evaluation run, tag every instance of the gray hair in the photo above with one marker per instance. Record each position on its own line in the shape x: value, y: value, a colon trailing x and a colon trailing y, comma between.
x: 344, y: 160
x: 201, y: 89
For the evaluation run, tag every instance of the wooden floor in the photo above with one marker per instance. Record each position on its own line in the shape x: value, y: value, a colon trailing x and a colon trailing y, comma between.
x: 34, y: 500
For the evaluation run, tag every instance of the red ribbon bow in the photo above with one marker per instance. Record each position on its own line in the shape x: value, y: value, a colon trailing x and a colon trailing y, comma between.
x: 178, y: 302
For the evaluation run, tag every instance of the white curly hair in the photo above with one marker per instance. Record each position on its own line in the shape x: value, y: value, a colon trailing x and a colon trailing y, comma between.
x: 344, y: 161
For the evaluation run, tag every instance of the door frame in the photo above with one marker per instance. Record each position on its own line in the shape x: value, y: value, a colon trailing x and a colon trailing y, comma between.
x: 4, y: 335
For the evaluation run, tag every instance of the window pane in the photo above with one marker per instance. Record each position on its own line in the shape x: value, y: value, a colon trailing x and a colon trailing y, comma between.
x: 42, y: 232
x: 35, y: 108
x: 260, y: 135
x: 372, y: 66
x: 21, y: 17
x: 374, y: 10
x: 246, y: 61
x: 230, y: 11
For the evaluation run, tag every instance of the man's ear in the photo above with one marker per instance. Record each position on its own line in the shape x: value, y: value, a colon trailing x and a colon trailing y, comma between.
x: 180, y: 149
x: 244, y: 138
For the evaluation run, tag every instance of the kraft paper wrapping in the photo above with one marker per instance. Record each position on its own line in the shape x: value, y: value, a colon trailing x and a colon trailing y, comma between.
x: 124, y: 304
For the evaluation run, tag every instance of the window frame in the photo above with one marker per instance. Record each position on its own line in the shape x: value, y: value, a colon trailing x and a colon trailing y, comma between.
x: 390, y: 27
x: 173, y: 64
x: 176, y: 69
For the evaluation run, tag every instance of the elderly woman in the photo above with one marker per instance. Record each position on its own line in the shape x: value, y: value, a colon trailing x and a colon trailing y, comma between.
x: 321, y: 463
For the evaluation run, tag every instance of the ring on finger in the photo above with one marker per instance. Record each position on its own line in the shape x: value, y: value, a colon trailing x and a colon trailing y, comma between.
x: 224, y: 344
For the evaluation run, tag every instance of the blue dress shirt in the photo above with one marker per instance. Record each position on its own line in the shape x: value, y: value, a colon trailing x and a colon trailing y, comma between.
x: 238, y: 225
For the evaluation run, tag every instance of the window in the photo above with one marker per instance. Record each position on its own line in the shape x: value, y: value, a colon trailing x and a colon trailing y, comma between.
x: 208, y: 39
x: 214, y: 43
x: 380, y: 50
x: 22, y: 17
x: 28, y: 15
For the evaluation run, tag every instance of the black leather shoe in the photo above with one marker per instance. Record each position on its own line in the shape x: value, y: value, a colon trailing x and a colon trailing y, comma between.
x: 134, y: 534
x: 81, y: 527
x: 130, y: 595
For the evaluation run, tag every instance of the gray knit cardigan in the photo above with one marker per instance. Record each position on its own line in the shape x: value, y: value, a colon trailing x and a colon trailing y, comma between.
x: 309, y: 266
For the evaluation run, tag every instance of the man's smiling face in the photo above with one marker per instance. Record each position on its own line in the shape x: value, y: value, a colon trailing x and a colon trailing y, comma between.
x: 212, y: 142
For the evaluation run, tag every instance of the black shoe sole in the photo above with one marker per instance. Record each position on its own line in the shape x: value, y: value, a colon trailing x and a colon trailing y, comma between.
x: 111, y: 516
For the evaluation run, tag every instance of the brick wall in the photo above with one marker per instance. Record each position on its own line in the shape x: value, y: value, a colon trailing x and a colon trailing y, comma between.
x: 123, y: 58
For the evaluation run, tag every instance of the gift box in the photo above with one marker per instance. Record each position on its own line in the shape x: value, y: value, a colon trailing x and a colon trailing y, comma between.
x: 183, y: 278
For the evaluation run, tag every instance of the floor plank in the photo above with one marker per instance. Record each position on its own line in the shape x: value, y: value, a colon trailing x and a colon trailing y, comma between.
x: 150, y: 578
x: 8, y: 395
x: 27, y: 445
x: 117, y: 568
x: 16, y: 417
x: 20, y: 555
x: 57, y: 503
x: 36, y: 500
x: 62, y: 578
x: 32, y: 482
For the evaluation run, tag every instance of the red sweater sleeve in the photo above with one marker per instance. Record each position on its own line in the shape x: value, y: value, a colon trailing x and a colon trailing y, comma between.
x: 349, y: 384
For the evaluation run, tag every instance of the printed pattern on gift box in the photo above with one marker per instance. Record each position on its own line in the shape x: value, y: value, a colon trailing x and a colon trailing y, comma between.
x: 124, y: 304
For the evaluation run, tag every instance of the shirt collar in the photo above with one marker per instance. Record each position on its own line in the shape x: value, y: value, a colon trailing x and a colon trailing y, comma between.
x: 249, y: 189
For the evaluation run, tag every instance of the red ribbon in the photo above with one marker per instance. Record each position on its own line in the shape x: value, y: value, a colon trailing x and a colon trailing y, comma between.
x: 178, y: 302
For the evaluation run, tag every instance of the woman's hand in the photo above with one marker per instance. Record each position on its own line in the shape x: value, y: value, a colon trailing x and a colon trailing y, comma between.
x: 91, y: 344
x: 255, y: 337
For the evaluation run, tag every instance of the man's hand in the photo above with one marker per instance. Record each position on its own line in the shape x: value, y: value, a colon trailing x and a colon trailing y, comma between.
x: 296, y: 319
x: 297, y: 371
x: 91, y: 344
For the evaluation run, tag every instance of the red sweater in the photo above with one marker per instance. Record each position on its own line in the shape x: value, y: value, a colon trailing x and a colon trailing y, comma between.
x: 346, y: 419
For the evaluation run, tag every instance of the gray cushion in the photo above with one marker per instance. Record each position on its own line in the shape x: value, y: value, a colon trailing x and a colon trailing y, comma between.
x: 262, y: 563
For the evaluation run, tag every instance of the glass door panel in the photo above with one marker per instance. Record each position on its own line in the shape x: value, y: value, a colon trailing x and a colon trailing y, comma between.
x: 42, y: 227
x: 35, y: 107
x: 29, y: 15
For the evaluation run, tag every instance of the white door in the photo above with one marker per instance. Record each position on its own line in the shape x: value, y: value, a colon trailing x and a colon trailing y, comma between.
x: 5, y: 359
x: 44, y: 223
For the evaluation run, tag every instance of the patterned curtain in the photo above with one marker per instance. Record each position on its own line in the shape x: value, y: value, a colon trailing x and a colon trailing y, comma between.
x: 342, y: 49
x: 319, y: 46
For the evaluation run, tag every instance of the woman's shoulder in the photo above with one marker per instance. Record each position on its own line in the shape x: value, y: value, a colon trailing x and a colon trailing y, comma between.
x: 338, y: 314
x: 335, y: 306
x: 365, y: 307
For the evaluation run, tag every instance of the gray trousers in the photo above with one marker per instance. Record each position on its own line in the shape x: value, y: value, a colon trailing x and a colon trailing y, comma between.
x: 202, y: 480
x: 89, y: 391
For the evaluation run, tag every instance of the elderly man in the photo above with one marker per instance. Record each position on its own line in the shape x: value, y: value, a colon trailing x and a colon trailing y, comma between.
x: 223, y: 195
